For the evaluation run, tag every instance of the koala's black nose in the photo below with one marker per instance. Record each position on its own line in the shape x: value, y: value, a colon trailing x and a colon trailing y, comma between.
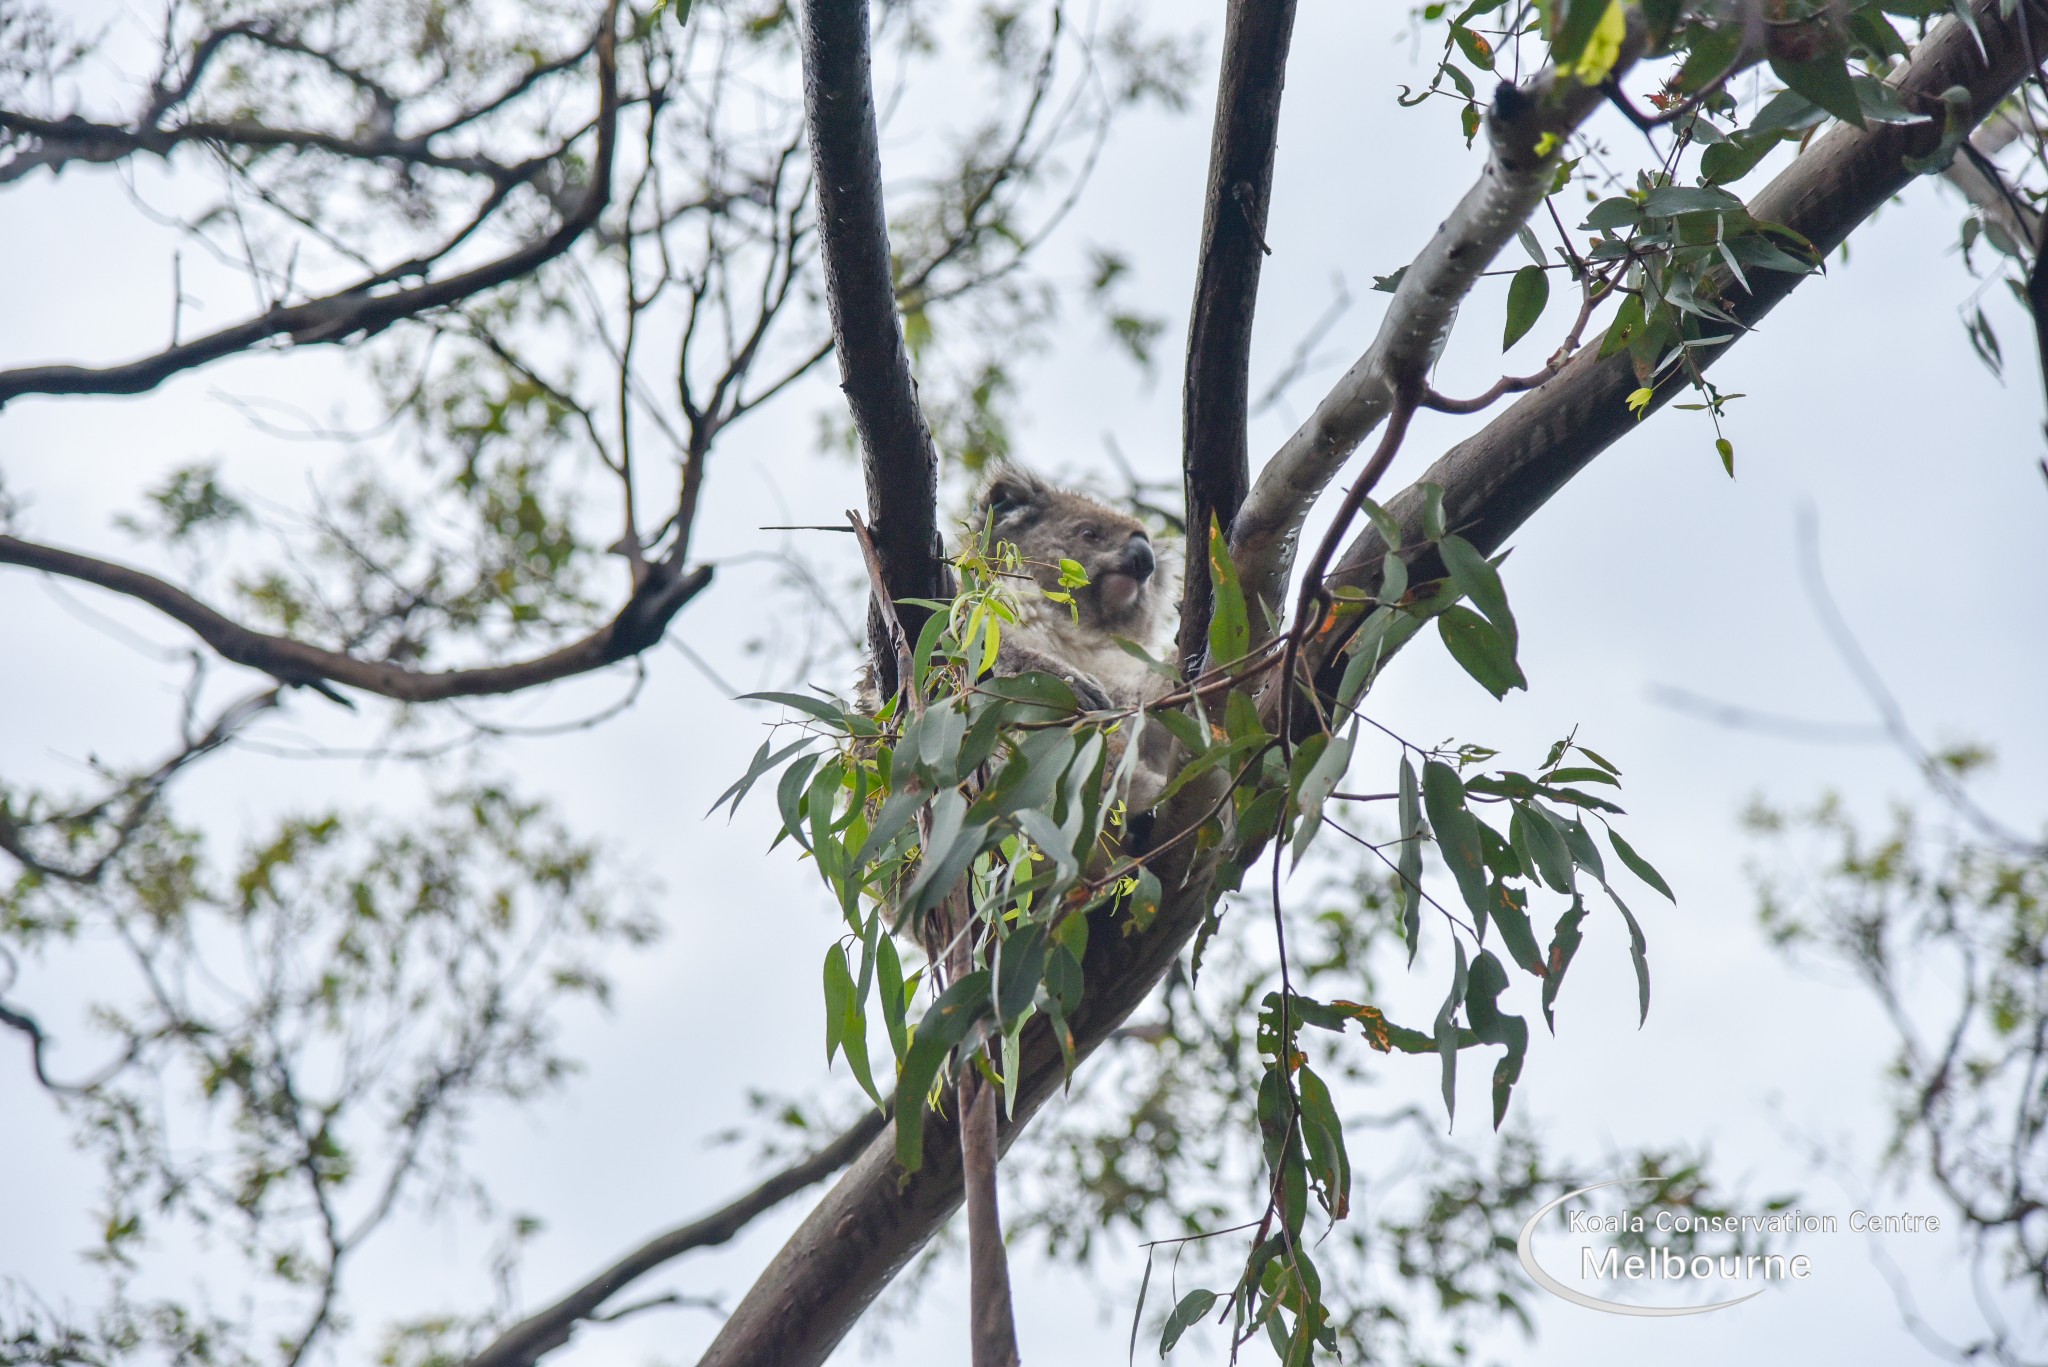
x: 1138, y: 561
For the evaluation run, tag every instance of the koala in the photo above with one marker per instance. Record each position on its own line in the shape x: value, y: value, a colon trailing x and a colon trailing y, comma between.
x: 1132, y: 590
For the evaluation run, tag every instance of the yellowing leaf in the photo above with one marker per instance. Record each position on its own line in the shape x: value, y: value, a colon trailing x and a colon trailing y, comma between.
x: 1639, y: 401
x: 1603, y: 49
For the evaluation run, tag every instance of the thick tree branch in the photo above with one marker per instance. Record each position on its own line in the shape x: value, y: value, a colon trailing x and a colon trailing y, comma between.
x: 540, y: 1333
x: 358, y: 310
x: 637, y: 627
x: 1525, y: 126
x: 1495, y: 480
x: 897, y: 455
x: 1215, y: 400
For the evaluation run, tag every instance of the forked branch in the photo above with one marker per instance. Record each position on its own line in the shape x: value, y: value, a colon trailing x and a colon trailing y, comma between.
x: 1524, y: 128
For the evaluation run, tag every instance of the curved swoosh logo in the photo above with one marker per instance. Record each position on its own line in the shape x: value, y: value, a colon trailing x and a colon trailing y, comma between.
x: 1525, y: 1249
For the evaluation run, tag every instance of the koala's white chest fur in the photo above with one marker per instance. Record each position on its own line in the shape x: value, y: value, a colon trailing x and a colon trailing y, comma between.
x: 1047, y: 628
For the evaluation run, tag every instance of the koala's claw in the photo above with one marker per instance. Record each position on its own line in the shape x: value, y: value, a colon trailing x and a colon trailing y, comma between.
x: 1089, y: 693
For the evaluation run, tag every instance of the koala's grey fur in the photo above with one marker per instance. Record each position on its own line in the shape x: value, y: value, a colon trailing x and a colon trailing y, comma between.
x: 1133, y: 589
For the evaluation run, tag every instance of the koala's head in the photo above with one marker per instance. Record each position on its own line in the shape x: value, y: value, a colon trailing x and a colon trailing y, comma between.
x: 1049, y: 524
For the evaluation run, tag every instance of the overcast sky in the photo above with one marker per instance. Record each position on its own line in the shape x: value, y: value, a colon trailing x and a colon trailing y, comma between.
x: 1863, y: 405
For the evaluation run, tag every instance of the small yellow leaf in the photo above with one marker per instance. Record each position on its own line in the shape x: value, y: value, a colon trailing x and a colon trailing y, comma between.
x: 1603, y: 49
x: 1639, y: 402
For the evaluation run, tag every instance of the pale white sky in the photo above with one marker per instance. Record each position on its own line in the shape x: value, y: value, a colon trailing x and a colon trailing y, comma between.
x: 1653, y: 568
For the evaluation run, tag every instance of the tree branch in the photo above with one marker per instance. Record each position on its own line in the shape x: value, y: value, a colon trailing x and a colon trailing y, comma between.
x: 1412, y: 333
x: 637, y: 627
x: 1215, y: 400
x: 897, y: 455
x: 1496, y: 479
x: 356, y: 311
x: 540, y: 1333
x: 992, y: 1324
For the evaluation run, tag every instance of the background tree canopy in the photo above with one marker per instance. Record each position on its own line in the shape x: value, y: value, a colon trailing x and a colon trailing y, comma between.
x: 422, y: 422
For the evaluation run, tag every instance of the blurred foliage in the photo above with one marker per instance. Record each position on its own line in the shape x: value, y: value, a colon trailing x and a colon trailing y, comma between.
x: 295, y: 1041
x: 1945, y: 923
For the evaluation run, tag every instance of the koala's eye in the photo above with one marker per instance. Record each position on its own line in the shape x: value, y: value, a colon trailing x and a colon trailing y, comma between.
x: 1091, y: 535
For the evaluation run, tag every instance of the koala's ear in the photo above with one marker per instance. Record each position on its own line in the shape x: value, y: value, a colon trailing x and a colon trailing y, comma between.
x: 1008, y: 492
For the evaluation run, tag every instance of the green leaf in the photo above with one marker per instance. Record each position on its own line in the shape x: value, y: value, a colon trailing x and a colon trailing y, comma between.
x: 1182, y: 728
x: 1223, y: 756
x: 1479, y: 581
x: 789, y: 796
x: 846, y: 1021
x: 838, y: 997
x: 1628, y: 323
x: 1880, y: 103
x: 1604, y: 764
x: 829, y: 713
x: 890, y: 822
x: 938, y: 736
x: 1185, y: 1316
x: 1511, y: 914
x: 1230, y: 636
x: 1323, y: 1134
x: 1457, y: 833
x: 1036, y: 689
x: 1576, y: 20
x: 1528, y: 292
x: 1712, y: 51
x: 1564, y: 943
x: 1477, y: 50
x: 1494, y: 1026
x: 889, y: 975
x: 1726, y: 449
x: 1388, y: 526
x: 1639, y: 866
x: 1020, y: 964
x: 1409, y: 865
x: 1825, y: 81
x: 1543, y: 848
x: 763, y: 761
x: 1046, y: 834
x: 943, y: 1027
x: 1446, y: 1033
x: 1483, y: 652
x: 1618, y: 212
x: 1032, y: 776
x: 1145, y: 898
x: 1576, y: 838
x: 1324, y: 772
x: 951, y: 848
x: 1638, y: 954
x: 1727, y: 162
x: 1668, y: 201
x: 1433, y: 525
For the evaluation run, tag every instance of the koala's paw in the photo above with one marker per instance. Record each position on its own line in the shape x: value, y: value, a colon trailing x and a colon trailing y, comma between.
x: 1088, y: 692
